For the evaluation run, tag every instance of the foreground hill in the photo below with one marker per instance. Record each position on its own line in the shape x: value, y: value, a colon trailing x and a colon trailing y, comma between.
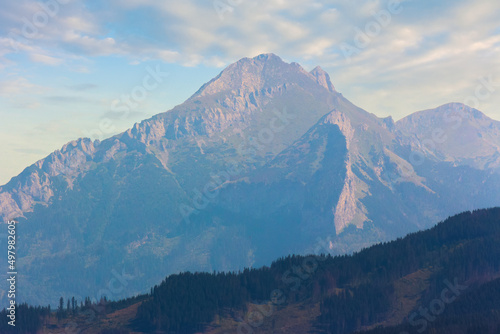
x: 263, y: 161
x: 443, y: 280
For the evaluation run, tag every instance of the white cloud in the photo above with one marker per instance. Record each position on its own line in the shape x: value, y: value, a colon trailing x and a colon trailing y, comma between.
x: 81, y: 24
x: 39, y: 58
x: 316, y: 47
x: 90, y: 45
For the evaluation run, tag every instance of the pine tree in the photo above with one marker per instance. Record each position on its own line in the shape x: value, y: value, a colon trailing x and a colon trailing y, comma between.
x: 60, y: 310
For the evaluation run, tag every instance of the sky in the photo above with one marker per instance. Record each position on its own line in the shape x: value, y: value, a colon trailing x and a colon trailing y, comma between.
x: 71, y: 69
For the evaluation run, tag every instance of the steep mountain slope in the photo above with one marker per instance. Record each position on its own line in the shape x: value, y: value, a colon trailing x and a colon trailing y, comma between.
x: 264, y: 160
x: 443, y: 280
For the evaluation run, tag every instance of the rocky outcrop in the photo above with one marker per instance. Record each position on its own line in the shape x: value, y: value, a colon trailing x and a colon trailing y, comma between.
x: 348, y: 210
x: 322, y: 78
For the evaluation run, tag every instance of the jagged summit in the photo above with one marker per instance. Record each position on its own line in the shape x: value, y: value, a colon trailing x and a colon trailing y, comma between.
x: 261, y: 72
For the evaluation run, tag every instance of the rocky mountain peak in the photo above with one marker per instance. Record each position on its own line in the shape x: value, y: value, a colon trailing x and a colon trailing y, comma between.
x: 267, y: 57
x: 322, y: 78
x: 261, y: 72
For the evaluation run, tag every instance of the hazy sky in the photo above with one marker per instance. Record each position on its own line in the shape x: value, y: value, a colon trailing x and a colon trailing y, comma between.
x: 66, y: 64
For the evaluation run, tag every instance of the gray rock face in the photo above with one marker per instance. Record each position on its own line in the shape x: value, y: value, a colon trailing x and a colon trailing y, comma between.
x: 264, y: 160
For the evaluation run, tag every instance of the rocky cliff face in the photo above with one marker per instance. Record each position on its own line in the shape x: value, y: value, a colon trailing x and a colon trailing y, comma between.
x: 264, y: 160
x: 348, y: 210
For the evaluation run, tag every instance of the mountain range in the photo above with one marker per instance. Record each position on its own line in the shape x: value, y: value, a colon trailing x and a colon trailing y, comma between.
x: 265, y: 160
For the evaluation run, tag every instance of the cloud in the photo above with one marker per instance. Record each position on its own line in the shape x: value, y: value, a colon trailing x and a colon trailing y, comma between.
x: 188, y: 32
x: 90, y: 46
x: 39, y: 58
x: 81, y: 24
